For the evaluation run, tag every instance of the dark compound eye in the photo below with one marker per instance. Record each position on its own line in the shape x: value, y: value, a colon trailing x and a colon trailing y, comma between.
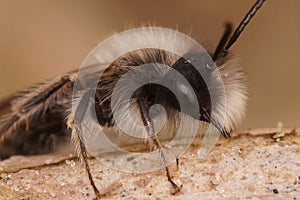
x: 195, y: 64
x: 196, y: 69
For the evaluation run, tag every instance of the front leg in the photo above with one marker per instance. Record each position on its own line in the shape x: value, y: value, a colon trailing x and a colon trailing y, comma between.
x: 151, y: 132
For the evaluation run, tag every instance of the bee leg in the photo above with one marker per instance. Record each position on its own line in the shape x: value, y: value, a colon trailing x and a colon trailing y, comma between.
x: 150, y: 130
x: 74, y: 122
x: 85, y: 159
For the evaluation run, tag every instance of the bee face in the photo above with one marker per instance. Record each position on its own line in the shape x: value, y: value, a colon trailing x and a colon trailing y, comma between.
x: 190, y: 83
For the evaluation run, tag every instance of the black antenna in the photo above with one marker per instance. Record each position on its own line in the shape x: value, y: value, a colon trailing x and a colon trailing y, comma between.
x: 223, y: 41
x: 241, y: 27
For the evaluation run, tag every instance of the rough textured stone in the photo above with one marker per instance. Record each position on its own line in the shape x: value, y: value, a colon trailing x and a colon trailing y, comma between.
x: 261, y: 163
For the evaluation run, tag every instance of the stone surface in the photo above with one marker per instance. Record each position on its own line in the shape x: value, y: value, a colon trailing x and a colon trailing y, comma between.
x: 254, y: 164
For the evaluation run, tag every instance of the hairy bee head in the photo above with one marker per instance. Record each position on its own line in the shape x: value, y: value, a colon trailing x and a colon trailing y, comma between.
x: 192, y: 84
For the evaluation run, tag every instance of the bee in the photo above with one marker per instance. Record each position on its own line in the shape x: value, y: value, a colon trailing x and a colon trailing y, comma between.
x: 117, y: 92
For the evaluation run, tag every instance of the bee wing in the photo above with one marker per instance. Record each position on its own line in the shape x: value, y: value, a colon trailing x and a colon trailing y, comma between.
x: 33, y: 121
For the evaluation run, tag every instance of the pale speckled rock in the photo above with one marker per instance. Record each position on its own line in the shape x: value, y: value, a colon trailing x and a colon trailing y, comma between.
x: 250, y: 165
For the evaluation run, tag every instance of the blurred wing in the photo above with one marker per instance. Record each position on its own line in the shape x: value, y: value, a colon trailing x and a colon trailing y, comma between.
x: 33, y: 121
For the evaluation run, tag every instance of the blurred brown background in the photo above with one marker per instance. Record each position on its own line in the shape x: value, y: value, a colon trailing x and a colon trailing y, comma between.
x: 41, y: 39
